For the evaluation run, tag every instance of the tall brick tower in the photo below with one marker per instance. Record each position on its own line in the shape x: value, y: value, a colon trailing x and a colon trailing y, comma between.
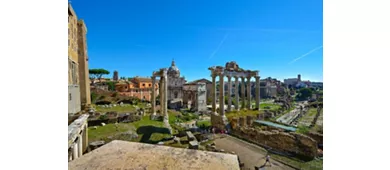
x: 115, y: 77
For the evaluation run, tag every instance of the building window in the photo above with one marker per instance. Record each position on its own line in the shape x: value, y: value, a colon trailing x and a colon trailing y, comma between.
x: 68, y: 42
x: 150, y: 85
x: 70, y: 96
x: 143, y: 85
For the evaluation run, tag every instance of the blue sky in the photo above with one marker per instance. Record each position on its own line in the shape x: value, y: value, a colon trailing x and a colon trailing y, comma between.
x: 281, y: 38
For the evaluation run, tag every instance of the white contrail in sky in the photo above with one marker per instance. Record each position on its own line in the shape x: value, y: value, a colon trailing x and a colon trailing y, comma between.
x: 219, y: 46
x: 304, y: 55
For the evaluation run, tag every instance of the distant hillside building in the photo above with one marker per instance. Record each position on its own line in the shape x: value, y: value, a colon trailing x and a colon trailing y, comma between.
x: 138, y: 87
x: 292, y: 82
x: 317, y: 84
x: 208, y: 83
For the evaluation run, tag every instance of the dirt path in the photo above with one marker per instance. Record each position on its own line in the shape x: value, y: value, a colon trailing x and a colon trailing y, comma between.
x: 251, y: 155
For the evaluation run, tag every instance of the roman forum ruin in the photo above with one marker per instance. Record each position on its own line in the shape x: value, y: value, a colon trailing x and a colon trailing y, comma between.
x: 230, y: 70
x: 162, y: 73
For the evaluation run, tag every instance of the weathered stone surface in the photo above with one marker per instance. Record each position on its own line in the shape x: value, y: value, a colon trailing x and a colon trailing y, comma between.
x: 317, y: 137
x: 190, y: 136
x: 218, y: 121
x: 293, y: 143
x: 234, y: 122
x: 249, y: 120
x: 96, y: 144
x: 134, y: 155
x: 176, y: 140
x: 194, y: 145
x: 242, y: 121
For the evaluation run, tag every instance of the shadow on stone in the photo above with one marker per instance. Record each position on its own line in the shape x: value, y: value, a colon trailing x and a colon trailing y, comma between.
x: 147, y: 132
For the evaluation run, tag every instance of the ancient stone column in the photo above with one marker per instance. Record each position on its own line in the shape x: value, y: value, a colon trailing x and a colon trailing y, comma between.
x: 153, y: 95
x: 214, y: 94
x: 243, y: 92
x: 75, y: 151
x: 248, y: 90
x: 85, y: 137
x: 236, y: 95
x: 80, y: 145
x: 221, y: 96
x: 229, y: 107
x: 257, y: 92
x: 161, y: 88
x: 165, y: 96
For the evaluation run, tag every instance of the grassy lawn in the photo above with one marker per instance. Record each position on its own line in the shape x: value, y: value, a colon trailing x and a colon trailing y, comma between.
x: 307, y: 119
x: 314, y: 164
x: 234, y: 114
x: 205, y: 123
x: 271, y: 105
x: 148, y: 131
x: 119, y: 109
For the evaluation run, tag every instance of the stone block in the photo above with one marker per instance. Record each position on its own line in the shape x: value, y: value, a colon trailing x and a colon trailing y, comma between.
x: 242, y: 121
x: 249, y: 120
x: 193, y: 145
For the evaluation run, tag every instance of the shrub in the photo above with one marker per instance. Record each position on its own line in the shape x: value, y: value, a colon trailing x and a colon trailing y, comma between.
x: 302, y: 129
x: 103, y: 117
x: 93, y: 97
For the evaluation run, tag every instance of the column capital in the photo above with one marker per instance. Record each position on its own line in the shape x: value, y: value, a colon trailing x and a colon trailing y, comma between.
x: 229, y: 77
x: 213, y: 74
x: 257, y: 77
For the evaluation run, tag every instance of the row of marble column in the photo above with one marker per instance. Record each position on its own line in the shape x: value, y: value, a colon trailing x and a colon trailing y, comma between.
x: 245, y: 102
x: 163, y: 89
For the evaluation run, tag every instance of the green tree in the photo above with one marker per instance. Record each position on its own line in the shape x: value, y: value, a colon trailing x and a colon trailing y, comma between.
x: 111, y: 86
x: 98, y: 73
x: 304, y: 93
x: 208, y: 101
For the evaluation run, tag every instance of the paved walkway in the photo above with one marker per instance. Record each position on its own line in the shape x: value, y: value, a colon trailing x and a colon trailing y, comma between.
x: 289, y: 117
x: 250, y: 154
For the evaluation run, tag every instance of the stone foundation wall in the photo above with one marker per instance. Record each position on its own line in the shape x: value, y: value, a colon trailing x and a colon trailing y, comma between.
x: 317, y: 137
x: 292, y: 143
x: 218, y: 122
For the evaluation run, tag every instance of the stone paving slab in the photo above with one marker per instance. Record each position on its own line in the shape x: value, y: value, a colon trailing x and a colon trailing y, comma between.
x: 123, y: 155
x: 250, y: 154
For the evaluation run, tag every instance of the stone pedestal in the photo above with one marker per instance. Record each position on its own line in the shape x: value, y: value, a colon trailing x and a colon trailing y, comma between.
x: 219, y: 121
x: 242, y: 121
x: 249, y: 120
